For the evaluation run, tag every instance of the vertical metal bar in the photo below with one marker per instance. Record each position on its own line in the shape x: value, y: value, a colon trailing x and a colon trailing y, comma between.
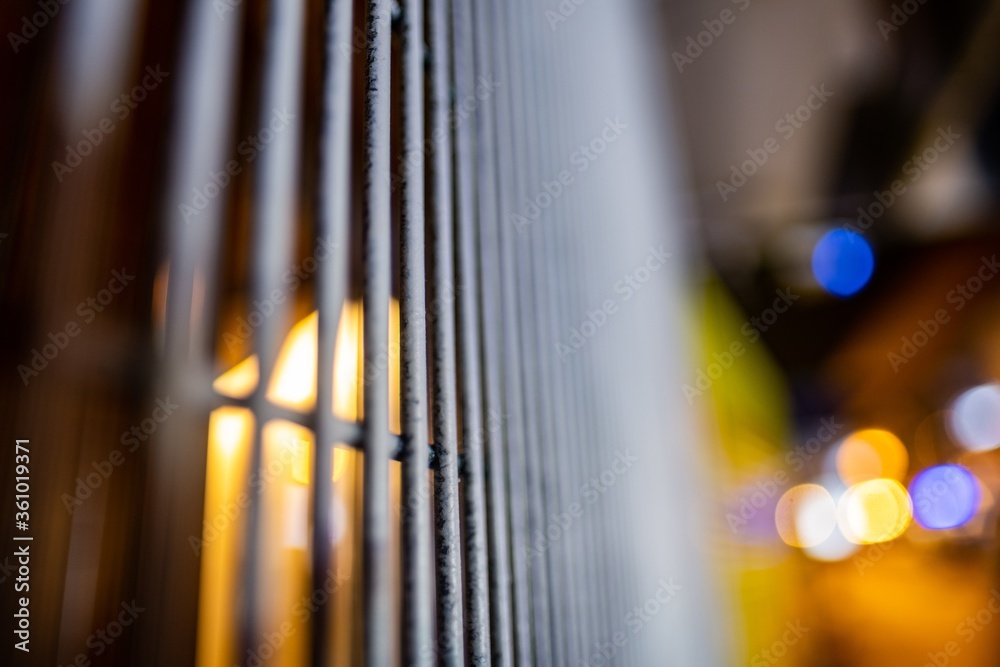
x: 417, y: 589
x: 542, y: 471
x: 332, y: 276
x: 276, y: 209
x: 376, y: 220
x: 204, y: 111
x: 476, y: 560
x: 446, y: 511
x: 547, y: 637
x: 579, y: 435
x: 490, y: 317
x: 517, y: 485
x: 377, y: 228
x: 552, y: 271
x: 551, y: 422
x: 582, y: 284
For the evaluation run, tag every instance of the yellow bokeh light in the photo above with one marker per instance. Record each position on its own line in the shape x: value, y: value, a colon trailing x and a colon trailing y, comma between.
x: 293, y: 384
x: 805, y: 515
x: 230, y: 432
x: 878, y: 510
x: 302, y: 461
x: 347, y: 384
x: 871, y: 454
x: 241, y: 380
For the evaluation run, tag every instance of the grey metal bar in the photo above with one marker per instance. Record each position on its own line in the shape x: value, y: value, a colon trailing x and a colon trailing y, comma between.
x: 501, y: 628
x: 474, y: 539
x: 538, y: 135
x: 276, y: 206
x: 376, y: 216
x: 564, y: 234
x: 517, y: 465
x: 554, y: 292
x: 418, y: 627
x: 446, y: 510
x: 547, y: 637
x: 331, y: 288
x: 578, y: 239
x: 205, y: 94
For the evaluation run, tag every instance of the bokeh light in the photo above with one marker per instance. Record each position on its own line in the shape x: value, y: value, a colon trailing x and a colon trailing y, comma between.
x: 842, y: 262
x: 944, y: 496
x: 871, y: 454
x: 805, y: 515
x: 975, y: 418
x: 875, y: 511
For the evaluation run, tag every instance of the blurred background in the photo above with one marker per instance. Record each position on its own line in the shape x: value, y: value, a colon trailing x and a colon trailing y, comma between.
x: 875, y: 206
x: 811, y: 382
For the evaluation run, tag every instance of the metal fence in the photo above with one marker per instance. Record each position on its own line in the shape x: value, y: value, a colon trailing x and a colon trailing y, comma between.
x: 442, y: 153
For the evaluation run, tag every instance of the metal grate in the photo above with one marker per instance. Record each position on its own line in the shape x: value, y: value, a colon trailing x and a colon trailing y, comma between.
x: 508, y: 429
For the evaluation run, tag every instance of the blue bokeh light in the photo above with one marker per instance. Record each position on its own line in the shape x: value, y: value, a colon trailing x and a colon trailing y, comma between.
x: 843, y: 262
x: 945, y: 496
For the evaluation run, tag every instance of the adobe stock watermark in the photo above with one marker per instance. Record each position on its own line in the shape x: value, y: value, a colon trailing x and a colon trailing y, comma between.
x: 757, y: 498
x: 48, y: 9
x: 227, y: 514
x: 752, y: 330
x: 121, y: 107
x: 582, y: 158
x: 634, y: 622
x: 493, y: 423
x: 223, y: 7
x: 914, y: 168
x: 457, y: 114
x: 88, y: 310
x: 359, y: 37
x: 130, y: 439
x: 389, y: 353
x: 967, y: 629
x: 103, y: 638
x: 248, y: 150
x: 786, y: 126
x: 774, y: 653
x: 591, y: 491
x: 957, y: 298
x: 302, y: 611
x: 627, y: 287
x: 696, y: 45
x: 562, y: 13
x: 292, y: 279
x: 900, y: 14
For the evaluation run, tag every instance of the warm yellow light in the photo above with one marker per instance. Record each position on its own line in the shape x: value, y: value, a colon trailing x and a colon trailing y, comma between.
x: 240, y: 380
x: 293, y: 384
x: 877, y: 510
x: 871, y: 454
x: 805, y: 515
x: 230, y: 431
x: 346, y: 363
x: 300, y: 452
x: 395, y: 424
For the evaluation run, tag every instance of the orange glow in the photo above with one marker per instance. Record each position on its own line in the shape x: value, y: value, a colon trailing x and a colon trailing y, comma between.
x: 293, y: 384
x: 871, y: 454
x: 284, y: 479
x: 347, y: 392
x: 878, y: 510
x: 230, y: 432
x: 239, y: 381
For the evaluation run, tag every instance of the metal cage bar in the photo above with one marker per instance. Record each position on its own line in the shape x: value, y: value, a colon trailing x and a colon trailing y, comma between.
x: 507, y: 429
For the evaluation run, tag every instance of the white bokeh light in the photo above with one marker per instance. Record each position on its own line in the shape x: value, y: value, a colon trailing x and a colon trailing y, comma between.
x: 975, y: 418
